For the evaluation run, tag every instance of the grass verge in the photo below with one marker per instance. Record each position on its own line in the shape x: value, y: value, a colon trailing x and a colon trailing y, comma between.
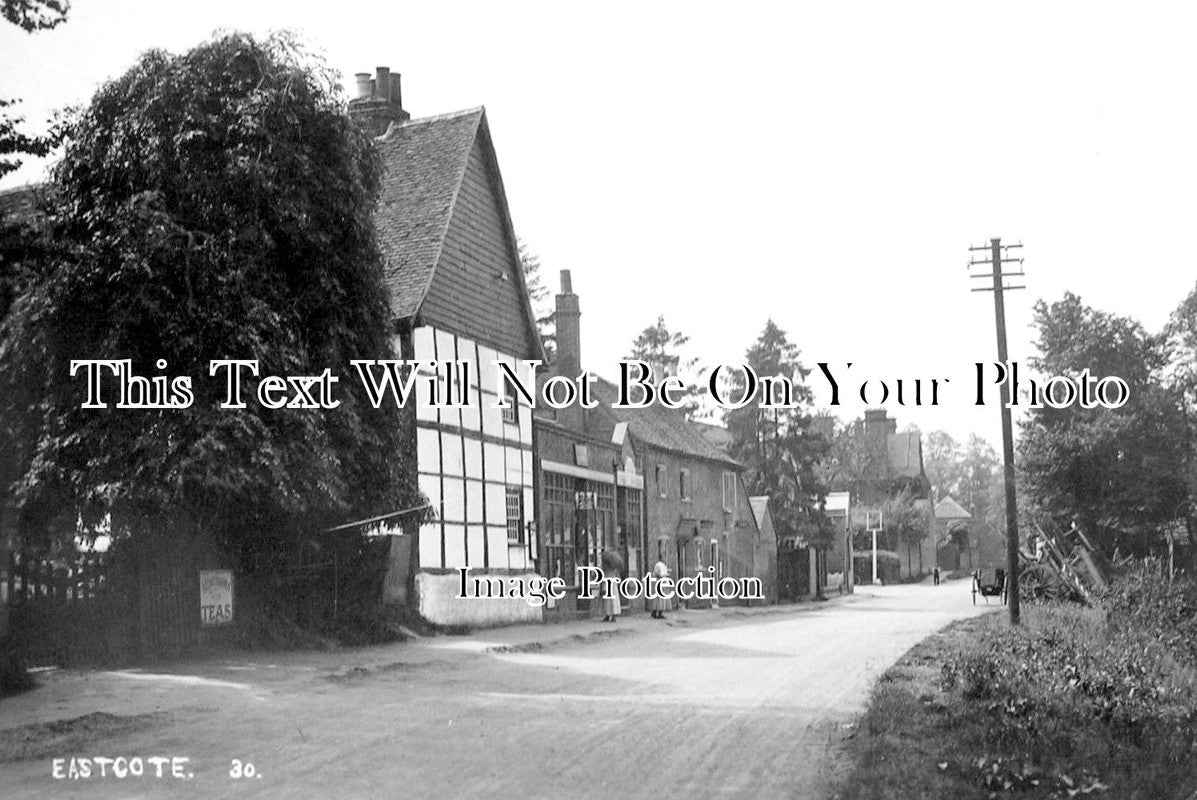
x: 1068, y: 705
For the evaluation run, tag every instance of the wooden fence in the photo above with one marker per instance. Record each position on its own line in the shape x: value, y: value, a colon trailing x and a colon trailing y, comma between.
x: 114, y: 607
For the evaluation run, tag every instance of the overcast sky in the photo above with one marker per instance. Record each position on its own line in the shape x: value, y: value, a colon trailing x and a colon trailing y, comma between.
x: 824, y: 165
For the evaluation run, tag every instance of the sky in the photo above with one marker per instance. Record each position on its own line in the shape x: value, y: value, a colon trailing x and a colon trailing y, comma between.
x: 823, y: 165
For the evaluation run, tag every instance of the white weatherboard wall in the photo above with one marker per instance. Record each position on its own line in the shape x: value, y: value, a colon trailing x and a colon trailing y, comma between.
x: 468, y: 459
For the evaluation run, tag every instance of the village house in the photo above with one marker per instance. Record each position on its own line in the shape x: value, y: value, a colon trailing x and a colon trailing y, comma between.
x: 698, y: 517
x: 797, y: 569
x: 896, y: 466
x: 458, y: 293
x: 591, y: 494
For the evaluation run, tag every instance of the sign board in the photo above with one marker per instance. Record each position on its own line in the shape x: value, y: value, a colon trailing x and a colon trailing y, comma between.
x: 216, y: 597
x: 1178, y: 533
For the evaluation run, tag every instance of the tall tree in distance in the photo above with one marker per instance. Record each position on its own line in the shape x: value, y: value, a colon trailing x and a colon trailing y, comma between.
x: 663, y: 350
x: 212, y: 205
x: 542, y: 300
x: 777, y: 447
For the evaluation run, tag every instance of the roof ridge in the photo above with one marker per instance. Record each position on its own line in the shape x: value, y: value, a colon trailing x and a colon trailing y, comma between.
x: 451, y: 115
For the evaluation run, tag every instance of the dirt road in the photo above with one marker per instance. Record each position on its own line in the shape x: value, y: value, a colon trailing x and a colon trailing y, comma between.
x: 723, y: 703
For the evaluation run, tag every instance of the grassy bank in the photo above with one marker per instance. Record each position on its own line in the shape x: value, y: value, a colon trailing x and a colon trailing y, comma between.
x: 1078, y: 702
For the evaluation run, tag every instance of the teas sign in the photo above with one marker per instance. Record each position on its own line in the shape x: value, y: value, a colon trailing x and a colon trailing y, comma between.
x: 216, y: 597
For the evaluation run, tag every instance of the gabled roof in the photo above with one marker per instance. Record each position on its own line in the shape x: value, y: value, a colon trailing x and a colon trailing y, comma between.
x: 718, y: 435
x: 662, y: 428
x: 760, y: 507
x: 948, y: 508
x: 425, y: 164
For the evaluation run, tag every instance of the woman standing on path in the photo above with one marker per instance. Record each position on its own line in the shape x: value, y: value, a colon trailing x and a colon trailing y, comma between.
x: 659, y: 604
x: 612, y: 564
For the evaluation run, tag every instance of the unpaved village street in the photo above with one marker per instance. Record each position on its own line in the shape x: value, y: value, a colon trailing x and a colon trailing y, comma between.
x: 717, y: 703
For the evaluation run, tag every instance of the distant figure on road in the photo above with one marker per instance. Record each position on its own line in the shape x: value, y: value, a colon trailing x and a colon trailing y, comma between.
x: 612, y: 564
x: 935, y: 572
x: 659, y: 605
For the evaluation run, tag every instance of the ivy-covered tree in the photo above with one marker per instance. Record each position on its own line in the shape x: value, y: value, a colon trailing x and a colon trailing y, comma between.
x: 212, y: 205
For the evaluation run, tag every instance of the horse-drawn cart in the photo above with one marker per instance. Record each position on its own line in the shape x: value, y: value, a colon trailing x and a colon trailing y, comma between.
x: 989, y: 582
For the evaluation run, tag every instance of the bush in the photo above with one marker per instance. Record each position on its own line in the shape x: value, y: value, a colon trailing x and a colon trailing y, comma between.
x: 1142, y: 602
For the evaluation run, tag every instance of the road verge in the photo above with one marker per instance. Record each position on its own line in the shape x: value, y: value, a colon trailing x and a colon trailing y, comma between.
x: 1068, y: 705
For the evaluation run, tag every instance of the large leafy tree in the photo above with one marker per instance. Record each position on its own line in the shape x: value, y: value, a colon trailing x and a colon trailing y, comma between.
x: 1118, y: 472
x: 211, y: 205
x: 777, y: 446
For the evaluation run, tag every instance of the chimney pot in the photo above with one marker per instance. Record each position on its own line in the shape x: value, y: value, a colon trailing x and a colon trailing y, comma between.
x: 396, y: 89
x: 567, y: 286
x: 382, y: 83
x: 365, y: 86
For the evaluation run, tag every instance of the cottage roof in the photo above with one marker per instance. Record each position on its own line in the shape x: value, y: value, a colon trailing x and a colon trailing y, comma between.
x: 425, y: 166
x: 760, y: 507
x: 717, y: 435
x: 948, y: 508
x: 661, y: 428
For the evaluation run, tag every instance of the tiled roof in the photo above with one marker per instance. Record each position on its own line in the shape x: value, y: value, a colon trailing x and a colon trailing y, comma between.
x: 760, y: 504
x: 661, y: 427
x: 715, y: 434
x: 948, y: 508
x: 425, y: 163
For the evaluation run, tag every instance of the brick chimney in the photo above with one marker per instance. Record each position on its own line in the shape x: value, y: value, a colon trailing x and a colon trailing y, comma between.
x: 568, y: 318
x: 379, y: 102
x: 877, y: 423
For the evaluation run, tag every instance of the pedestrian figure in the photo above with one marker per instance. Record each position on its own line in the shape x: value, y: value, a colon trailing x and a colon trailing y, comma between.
x: 612, y: 564
x: 659, y: 604
x: 936, y: 574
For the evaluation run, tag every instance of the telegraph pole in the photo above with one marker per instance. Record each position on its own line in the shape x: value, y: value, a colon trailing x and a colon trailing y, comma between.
x: 996, y: 260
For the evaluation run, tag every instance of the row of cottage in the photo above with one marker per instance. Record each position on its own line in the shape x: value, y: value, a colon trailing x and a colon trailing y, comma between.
x: 522, y: 492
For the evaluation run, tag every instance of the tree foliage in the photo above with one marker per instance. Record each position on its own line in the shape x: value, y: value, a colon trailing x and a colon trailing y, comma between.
x: 779, y: 450
x: 1119, y: 472
x: 34, y: 15
x: 210, y: 205
x: 29, y: 16
x: 541, y: 296
x: 663, y: 350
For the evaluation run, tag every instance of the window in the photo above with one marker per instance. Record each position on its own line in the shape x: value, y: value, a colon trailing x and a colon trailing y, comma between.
x: 662, y: 484
x: 684, y: 484
x: 582, y: 455
x: 515, y: 515
x: 512, y: 412
x: 729, y: 491
x: 558, y: 526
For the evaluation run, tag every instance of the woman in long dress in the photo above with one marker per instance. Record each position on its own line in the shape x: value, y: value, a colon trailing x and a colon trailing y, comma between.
x: 612, y: 565
x: 659, y: 604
